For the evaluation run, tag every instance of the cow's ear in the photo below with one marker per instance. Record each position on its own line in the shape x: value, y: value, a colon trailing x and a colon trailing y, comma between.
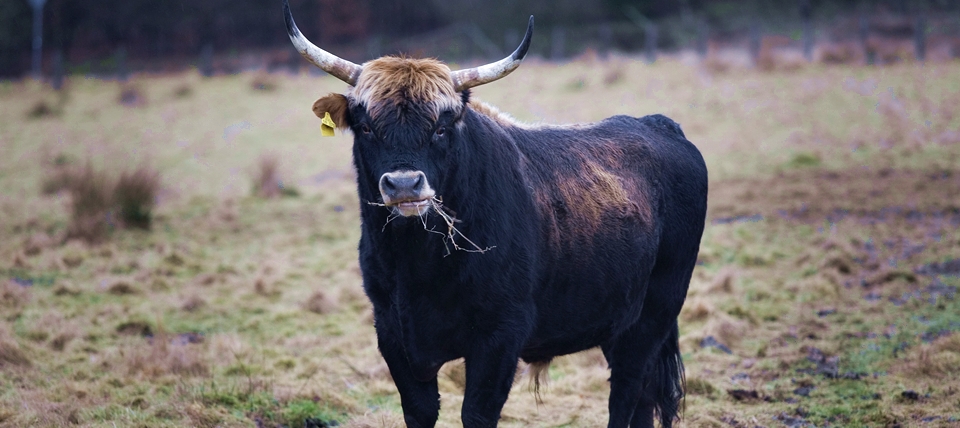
x: 336, y: 106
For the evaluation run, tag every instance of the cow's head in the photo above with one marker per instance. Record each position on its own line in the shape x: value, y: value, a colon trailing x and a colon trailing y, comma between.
x: 405, y: 114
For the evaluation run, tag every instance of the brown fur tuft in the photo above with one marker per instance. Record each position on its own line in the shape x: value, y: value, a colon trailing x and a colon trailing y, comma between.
x: 390, y: 81
x: 494, y: 113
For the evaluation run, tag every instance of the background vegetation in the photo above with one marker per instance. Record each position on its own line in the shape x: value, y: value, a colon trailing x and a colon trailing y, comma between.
x: 94, y: 36
x: 826, y: 292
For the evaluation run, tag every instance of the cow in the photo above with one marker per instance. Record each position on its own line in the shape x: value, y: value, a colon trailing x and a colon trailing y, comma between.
x: 495, y: 241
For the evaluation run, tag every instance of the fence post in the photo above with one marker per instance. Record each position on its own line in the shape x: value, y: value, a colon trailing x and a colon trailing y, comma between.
x: 511, y: 38
x: 558, y: 48
x: 920, y: 37
x: 206, y: 60
x: 122, y: 72
x: 605, y: 34
x: 37, y: 37
x: 806, y: 15
x: 755, y: 42
x: 650, y: 42
x: 702, y: 35
x: 57, y: 81
x: 864, y: 42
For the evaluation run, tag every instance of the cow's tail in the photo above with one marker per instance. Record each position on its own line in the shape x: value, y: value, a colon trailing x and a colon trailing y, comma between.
x: 539, y: 375
x: 670, y: 378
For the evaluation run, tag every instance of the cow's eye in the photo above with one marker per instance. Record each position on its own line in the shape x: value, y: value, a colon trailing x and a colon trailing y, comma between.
x: 441, y: 131
x: 365, y: 128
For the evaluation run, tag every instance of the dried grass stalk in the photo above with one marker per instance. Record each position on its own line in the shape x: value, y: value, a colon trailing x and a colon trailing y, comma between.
x: 451, y: 234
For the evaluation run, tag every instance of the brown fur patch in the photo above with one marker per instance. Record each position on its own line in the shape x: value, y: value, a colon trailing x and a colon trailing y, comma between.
x: 390, y: 81
x: 336, y: 105
x: 503, y: 119
x: 598, y: 189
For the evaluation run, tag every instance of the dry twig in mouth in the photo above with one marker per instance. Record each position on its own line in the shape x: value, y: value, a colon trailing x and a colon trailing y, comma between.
x: 450, y: 220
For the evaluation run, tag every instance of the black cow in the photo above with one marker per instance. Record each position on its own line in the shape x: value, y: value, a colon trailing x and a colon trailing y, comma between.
x: 494, y: 241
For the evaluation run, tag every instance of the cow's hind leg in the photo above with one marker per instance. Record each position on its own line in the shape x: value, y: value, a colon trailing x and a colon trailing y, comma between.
x: 632, y: 358
x: 663, y: 388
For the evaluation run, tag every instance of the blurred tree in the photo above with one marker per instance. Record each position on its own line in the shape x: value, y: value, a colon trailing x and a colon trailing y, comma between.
x: 14, y: 36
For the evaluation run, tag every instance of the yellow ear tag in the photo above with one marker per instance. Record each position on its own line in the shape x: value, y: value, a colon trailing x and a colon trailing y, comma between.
x: 327, y: 125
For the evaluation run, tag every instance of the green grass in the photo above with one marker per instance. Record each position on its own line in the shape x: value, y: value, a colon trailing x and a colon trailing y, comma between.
x: 236, y: 309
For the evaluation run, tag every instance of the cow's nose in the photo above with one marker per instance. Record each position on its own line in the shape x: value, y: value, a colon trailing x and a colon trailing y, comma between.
x: 398, y: 186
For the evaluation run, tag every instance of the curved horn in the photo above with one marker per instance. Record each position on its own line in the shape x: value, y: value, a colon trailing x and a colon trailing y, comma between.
x: 468, y: 78
x: 338, y: 67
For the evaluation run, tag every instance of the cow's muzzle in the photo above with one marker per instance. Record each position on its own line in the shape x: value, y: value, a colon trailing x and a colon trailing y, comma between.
x: 408, y: 192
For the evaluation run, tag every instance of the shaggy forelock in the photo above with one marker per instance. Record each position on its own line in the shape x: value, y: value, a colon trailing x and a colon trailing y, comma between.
x: 389, y: 83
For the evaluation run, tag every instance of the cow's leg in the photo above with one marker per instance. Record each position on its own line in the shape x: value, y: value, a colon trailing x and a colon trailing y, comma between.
x: 490, y: 371
x: 662, y: 386
x: 419, y: 399
x: 631, y: 357
x: 658, y: 334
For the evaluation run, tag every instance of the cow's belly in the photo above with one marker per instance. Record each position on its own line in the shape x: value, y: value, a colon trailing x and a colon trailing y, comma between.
x: 583, y: 305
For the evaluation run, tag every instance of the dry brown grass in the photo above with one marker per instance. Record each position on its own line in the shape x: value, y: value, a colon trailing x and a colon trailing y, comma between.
x: 322, y: 302
x: 165, y: 354
x: 13, y: 295
x: 132, y: 94
x: 265, y: 82
x: 91, y: 203
x: 11, y: 355
x: 267, y: 182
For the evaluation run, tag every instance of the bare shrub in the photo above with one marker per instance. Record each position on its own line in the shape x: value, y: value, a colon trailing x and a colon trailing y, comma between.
x: 122, y: 288
x: 839, y: 53
x: 183, y: 91
x: 193, y: 303
x: 264, y: 81
x: 131, y: 95
x: 321, y: 303
x: 135, y: 195
x: 42, y: 109
x: 267, y: 181
x: 91, y: 204
x: 768, y: 58
x: 723, y: 282
x: 267, y: 178
x: 59, y: 173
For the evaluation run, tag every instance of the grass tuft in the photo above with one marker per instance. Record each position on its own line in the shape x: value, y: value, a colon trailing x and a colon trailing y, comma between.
x: 321, y: 303
x: 91, y: 204
x: 264, y: 82
x: 135, y: 195
x: 10, y: 353
x: 131, y: 95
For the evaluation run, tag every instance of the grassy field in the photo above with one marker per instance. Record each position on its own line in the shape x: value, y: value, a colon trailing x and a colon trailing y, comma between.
x: 826, y: 293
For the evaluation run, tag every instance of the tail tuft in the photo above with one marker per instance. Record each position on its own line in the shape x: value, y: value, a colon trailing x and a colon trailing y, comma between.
x: 672, y: 382
x: 539, y: 375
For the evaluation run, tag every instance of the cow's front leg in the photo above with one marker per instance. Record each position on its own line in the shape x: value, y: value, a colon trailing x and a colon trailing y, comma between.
x: 418, y: 397
x: 490, y: 372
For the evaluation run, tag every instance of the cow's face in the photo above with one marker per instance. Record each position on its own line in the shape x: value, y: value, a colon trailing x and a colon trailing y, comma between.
x: 405, y: 116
